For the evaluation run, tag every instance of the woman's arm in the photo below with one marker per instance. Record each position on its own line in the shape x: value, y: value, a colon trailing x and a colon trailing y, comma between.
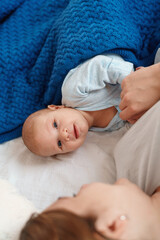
x: 140, y: 91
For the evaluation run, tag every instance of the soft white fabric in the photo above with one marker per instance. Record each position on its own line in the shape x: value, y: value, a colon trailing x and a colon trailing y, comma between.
x: 157, y: 57
x: 14, y: 211
x: 137, y: 154
x: 43, y: 180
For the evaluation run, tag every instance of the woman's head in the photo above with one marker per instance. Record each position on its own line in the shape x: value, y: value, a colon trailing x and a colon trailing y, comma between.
x: 58, y: 225
x: 119, y: 211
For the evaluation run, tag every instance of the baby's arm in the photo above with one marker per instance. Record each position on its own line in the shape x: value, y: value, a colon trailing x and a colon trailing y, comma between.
x: 85, y: 86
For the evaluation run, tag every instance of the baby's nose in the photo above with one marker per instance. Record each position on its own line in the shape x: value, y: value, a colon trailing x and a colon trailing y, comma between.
x: 64, y: 134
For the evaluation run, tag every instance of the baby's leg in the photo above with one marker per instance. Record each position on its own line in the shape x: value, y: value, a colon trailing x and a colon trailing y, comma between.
x: 137, y: 154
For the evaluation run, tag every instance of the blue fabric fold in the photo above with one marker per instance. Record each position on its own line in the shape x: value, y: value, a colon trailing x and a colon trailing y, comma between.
x: 40, y: 41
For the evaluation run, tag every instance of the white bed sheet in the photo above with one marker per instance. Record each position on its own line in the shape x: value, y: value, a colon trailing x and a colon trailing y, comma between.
x: 43, y: 180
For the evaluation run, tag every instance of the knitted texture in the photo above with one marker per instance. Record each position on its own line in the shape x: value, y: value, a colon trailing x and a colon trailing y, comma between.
x: 40, y: 41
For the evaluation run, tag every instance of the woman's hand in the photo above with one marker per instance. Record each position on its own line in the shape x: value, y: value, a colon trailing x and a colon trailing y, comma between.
x: 140, y: 91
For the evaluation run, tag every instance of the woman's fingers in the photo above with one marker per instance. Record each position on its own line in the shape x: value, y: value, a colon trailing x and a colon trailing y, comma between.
x: 140, y: 91
x: 126, y: 113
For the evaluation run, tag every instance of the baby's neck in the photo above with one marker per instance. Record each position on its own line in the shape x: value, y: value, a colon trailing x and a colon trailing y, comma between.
x: 100, y: 118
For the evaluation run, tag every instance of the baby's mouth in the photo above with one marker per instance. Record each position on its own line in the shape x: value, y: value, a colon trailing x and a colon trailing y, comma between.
x: 76, y: 133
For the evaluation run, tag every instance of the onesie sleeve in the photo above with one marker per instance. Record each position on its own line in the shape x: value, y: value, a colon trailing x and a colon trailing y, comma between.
x: 157, y: 57
x: 95, y: 84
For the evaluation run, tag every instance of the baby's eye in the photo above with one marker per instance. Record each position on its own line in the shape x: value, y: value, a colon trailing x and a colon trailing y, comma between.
x: 55, y: 125
x: 74, y: 195
x: 59, y: 144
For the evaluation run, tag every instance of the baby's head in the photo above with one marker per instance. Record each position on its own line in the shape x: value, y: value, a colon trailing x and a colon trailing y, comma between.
x: 55, y: 130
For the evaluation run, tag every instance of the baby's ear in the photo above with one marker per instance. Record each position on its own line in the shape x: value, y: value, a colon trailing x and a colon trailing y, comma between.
x: 55, y: 107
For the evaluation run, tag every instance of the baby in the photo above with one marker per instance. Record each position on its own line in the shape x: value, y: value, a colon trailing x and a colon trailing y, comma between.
x: 90, y: 100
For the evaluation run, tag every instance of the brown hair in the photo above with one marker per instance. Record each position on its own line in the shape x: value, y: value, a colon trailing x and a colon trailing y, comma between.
x: 58, y: 225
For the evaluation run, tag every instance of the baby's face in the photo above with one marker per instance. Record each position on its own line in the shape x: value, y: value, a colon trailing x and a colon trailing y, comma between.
x: 60, y: 131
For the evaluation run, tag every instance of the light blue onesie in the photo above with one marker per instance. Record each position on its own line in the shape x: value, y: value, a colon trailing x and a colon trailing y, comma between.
x: 95, y: 85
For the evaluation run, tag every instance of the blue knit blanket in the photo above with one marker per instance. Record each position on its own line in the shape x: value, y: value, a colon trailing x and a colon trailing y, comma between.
x: 41, y: 40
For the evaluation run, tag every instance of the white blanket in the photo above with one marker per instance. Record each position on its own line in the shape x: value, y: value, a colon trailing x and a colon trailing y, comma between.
x: 14, y: 211
x: 43, y: 180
